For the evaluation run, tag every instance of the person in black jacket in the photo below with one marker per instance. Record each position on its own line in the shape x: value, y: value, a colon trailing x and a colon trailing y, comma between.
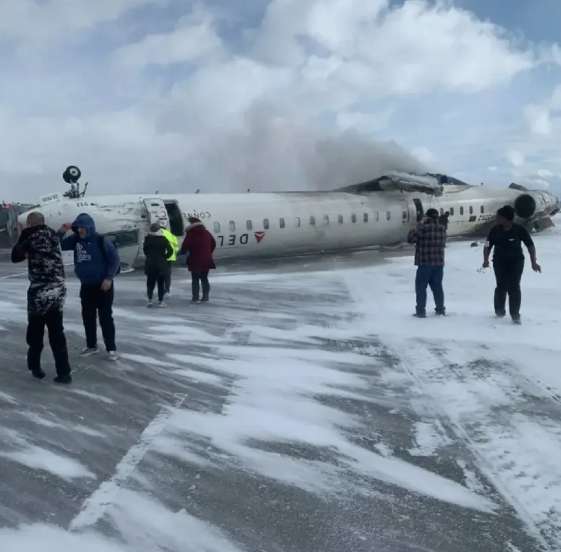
x: 45, y: 297
x: 157, y: 250
x: 506, y: 238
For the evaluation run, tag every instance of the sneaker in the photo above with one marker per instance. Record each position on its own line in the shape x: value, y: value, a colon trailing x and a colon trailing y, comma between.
x: 516, y: 319
x: 420, y: 315
x: 39, y: 374
x: 194, y: 301
x: 440, y: 313
x: 88, y: 351
x: 63, y: 379
x: 204, y: 300
x: 112, y: 355
x: 500, y: 314
x: 149, y: 304
x: 161, y: 305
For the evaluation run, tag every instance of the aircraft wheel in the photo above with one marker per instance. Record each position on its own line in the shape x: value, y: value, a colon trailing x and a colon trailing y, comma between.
x: 72, y: 174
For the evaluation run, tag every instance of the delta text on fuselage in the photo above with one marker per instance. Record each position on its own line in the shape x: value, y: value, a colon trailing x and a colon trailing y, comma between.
x: 376, y: 213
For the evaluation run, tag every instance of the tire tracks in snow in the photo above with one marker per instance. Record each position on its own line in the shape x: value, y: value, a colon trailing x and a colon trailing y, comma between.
x: 435, y: 373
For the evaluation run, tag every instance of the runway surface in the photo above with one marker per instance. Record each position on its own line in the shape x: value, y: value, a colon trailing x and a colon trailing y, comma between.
x: 298, y: 411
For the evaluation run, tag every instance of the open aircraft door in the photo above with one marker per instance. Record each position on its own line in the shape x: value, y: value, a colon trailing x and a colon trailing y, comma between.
x: 157, y: 211
x: 405, y: 214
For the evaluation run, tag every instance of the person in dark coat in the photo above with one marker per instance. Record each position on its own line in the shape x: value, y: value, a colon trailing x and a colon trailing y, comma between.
x: 506, y: 239
x: 444, y: 219
x: 157, y: 249
x: 45, y: 297
x: 200, y: 244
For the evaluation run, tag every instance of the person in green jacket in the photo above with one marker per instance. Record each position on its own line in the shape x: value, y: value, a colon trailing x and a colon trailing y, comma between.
x: 173, y: 257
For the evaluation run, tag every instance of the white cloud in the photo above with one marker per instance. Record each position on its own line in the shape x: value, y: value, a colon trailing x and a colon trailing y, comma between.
x: 141, y: 92
x: 539, y: 120
x: 515, y: 158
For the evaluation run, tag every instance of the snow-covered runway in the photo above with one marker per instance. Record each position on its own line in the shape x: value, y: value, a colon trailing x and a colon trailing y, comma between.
x: 302, y: 411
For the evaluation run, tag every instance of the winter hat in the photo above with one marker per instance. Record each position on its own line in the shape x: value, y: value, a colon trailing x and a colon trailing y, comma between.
x: 507, y: 212
x: 432, y: 213
x: 155, y: 228
x: 193, y: 220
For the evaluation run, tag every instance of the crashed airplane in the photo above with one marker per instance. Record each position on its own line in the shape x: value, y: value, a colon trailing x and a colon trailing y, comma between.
x: 379, y: 212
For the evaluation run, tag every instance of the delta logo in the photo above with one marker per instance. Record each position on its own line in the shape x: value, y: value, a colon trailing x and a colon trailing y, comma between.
x: 259, y: 236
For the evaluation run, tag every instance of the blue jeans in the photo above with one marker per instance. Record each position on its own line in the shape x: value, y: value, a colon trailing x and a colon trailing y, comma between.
x: 429, y: 276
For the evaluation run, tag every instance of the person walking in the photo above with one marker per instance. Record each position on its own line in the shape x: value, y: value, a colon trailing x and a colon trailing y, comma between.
x: 157, y: 249
x: 200, y: 244
x: 506, y: 239
x: 96, y: 264
x: 172, y: 239
x: 45, y: 297
x: 429, y: 237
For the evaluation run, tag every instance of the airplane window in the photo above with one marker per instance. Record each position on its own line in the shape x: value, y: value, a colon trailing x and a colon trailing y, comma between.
x: 482, y: 209
x: 281, y: 222
x: 461, y: 210
x: 266, y: 224
x: 123, y: 239
x: 312, y: 220
x: 297, y: 221
x: 451, y: 211
x: 441, y: 211
x: 404, y: 215
x: 388, y: 215
x: 232, y: 226
x: 340, y: 219
x: 376, y: 216
x: 325, y: 219
x: 470, y: 210
x: 365, y: 217
x: 249, y: 225
x: 353, y: 218
x: 217, y: 228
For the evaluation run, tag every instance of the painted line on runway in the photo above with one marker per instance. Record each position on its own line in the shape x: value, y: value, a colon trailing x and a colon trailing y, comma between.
x: 95, y: 506
x: 13, y: 275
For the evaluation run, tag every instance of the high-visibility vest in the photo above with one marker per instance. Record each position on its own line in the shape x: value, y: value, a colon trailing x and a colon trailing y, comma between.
x: 174, y: 243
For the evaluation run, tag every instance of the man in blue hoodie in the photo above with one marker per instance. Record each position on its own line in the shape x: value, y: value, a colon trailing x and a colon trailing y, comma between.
x: 96, y: 263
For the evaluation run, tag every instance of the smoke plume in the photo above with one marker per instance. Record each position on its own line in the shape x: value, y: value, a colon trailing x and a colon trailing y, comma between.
x: 269, y: 152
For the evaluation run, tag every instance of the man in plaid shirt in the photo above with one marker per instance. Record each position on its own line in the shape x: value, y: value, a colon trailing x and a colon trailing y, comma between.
x: 429, y: 237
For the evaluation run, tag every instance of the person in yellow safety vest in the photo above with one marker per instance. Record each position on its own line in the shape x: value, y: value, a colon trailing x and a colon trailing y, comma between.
x: 172, y: 258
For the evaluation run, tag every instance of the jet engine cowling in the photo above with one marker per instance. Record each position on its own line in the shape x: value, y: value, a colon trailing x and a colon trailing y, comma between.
x: 535, y: 205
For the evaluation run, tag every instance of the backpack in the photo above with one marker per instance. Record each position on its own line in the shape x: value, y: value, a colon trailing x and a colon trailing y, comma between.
x: 101, y: 244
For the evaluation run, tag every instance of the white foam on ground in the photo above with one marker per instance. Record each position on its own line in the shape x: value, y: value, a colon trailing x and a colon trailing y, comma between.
x: 273, y: 400
x: 42, y: 459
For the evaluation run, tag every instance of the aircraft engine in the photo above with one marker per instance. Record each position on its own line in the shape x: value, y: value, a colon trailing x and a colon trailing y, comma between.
x: 535, y: 205
x: 525, y: 206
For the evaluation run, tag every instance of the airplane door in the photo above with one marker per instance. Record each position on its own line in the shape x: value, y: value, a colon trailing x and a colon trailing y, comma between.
x: 157, y: 211
x: 419, y: 209
x: 405, y: 215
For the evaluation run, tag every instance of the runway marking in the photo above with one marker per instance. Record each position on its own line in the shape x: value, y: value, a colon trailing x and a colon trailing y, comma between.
x: 13, y: 275
x: 95, y: 506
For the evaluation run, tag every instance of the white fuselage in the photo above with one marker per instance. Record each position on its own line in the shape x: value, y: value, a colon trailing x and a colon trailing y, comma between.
x: 283, y: 224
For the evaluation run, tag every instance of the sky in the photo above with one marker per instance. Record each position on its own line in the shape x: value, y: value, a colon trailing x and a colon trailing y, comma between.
x: 224, y: 95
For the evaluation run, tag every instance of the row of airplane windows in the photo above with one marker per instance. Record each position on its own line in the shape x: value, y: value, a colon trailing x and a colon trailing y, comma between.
x: 297, y: 221
x: 365, y: 218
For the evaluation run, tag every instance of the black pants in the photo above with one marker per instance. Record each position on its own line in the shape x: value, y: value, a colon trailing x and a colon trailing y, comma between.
x: 53, y: 320
x: 96, y: 302
x: 200, y: 278
x: 154, y: 278
x: 168, y: 277
x: 508, y: 274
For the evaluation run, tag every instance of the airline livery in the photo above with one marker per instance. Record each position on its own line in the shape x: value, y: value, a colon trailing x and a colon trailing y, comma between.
x: 376, y: 213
